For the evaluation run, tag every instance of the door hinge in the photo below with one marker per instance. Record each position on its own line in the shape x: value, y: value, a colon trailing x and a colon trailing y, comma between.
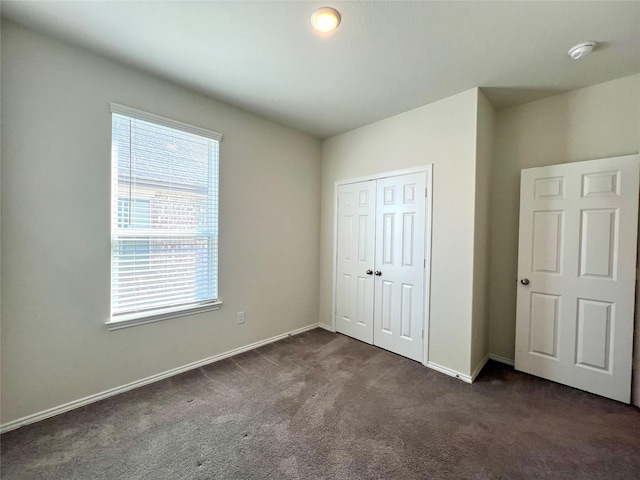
x: 423, y: 334
x: 424, y: 263
x: 425, y: 192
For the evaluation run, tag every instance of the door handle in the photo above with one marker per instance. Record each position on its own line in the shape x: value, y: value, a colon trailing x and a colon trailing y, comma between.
x: 378, y: 273
x: 369, y: 272
x: 524, y: 281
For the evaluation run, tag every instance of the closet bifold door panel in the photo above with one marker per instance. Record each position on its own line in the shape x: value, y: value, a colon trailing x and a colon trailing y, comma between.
x: 355, y: 251
x: 381, y: 267
x: 400, y: 267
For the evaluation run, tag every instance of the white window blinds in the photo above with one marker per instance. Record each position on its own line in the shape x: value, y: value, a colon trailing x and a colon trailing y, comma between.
x: 164, y: 221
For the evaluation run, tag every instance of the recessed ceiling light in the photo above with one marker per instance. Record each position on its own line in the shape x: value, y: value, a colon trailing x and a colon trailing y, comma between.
x: 580, y: 50
x: 325, y: 19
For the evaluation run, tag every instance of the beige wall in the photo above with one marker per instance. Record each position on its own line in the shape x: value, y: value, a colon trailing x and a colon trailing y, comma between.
x: 595, y: 122
x: 485, y: 131
x: 56, y: 128
x: 442, y: 134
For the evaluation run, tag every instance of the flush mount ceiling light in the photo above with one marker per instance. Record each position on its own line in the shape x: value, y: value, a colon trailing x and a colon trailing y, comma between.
x: 325, y: 19
x: 580, y: 50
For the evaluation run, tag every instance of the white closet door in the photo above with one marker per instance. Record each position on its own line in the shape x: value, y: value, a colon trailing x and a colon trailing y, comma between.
x: 400, y: 265
x: 577, y: 272
x: 356, y: 243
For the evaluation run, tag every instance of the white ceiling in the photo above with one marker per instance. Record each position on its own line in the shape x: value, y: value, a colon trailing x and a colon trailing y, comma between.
x: 385, y: 58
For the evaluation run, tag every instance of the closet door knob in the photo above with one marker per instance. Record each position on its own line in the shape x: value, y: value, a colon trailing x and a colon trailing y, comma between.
x: 378, y: 273
x: 369, y: 272
x: 524, y: 281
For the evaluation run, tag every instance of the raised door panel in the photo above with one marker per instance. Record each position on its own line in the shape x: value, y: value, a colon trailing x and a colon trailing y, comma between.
x: 593, y: 334
x: 598, y: 242
x: 547, y: 241
x: 543, y: 324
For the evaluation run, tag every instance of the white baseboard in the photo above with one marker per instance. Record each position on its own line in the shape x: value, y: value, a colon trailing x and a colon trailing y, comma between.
x: 479, y: 368
x: 461, y: 376
x: 326, y: 327
x: 498, y: 358
x: 451, y: 373
x: 51, y: 412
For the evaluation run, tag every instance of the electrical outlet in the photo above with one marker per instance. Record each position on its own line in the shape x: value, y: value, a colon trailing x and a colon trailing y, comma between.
x: 240, y: 317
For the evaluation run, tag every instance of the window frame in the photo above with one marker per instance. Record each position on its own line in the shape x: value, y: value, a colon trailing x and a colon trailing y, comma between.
x: 119, y: 321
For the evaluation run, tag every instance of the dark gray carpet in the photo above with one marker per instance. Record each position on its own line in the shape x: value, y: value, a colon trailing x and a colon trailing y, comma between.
x: 321, y: 405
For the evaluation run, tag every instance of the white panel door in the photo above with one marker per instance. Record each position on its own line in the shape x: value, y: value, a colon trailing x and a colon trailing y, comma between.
x: 576, y: 272
x: 400, y: 265
x: 355, y: 262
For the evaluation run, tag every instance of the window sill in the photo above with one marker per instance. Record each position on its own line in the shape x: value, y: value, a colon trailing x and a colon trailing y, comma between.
x: 134, y: 319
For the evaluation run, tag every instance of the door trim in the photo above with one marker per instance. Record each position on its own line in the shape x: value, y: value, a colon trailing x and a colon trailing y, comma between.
x: 428, y: 171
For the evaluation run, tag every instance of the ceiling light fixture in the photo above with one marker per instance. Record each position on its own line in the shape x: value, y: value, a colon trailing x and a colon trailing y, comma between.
x: 580, y: 50
x: 325, y: 19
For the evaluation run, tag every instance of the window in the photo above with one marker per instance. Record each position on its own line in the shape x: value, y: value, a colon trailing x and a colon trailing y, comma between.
x: 164, y: 218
